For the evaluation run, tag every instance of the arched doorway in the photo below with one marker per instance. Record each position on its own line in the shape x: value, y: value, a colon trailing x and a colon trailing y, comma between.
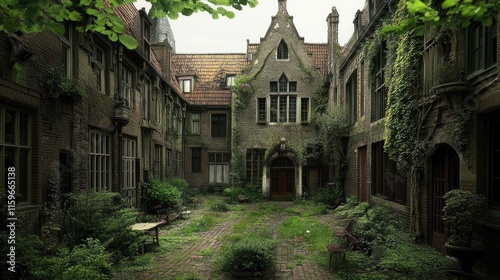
x: 282, y: 179
x: 445, y: 177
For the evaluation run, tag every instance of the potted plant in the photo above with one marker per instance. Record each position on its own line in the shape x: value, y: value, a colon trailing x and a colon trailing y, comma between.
x: 461, y: 212
x: 450, y: 83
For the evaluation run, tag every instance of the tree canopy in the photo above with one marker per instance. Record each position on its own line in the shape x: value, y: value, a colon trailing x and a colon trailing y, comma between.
x: 32, y: 16
x: 449, y: 14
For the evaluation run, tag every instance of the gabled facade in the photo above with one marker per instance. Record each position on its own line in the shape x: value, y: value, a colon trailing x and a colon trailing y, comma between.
x: 467, y: 161
x: 269, y: 130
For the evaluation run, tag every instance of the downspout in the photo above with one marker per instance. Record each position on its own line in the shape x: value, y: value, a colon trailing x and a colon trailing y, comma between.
x: 120, y: 134
x: 183, y: 139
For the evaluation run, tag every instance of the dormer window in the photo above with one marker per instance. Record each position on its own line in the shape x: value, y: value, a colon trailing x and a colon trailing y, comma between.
x: 186, y: 84
x: 282, y: 50
x: 230, y: 80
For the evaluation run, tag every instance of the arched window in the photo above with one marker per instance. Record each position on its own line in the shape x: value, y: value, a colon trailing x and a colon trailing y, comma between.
x: 282, y: 50
x: 283, y: 83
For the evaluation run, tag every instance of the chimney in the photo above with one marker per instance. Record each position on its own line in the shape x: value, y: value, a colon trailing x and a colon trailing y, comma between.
x: 333, y: 35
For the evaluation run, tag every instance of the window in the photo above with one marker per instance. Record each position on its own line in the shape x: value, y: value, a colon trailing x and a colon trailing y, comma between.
x: 304, y: 109
x: 230, y: 80
x: 196, y: 160
x: 67, y: 57
x: 178, y: 164
x: 146, y: 39
x: 494, y: 188
x: 15, y: 150
x: 352, y: 96
x: 100, y: 161
x: 254, y: 166
x: 481, y: 47
x: 387, y: 180
x: 284, y: 107
x: 379, y: 91
x: 159, y: 106
x: 127, y: 92
x: 195, y: 123
x: 128, y: 161
x: 261, y: 110
x: 169, y: 161
x: 100, y: 69
x: 219, y: 125
x: 362, y: 89
x: 218, y: 168
x: 186, y: 85
x: 282, y: 50
x: 157, y: 161
x: 146, y: 96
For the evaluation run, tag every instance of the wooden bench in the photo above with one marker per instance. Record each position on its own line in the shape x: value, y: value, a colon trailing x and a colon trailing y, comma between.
x: 165, y: 214
x: 150, y: 230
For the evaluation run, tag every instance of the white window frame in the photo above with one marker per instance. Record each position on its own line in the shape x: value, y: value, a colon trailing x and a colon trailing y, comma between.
x: 146, y: 99
x: 127, y: 90
x: 100, y: 69
x: 218, y: 170
x: 67, y: 50
x: 186, y: 85
x: 128, y: 160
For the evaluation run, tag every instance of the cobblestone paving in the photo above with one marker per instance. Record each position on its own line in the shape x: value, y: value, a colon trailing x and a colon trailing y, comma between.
x: 189, y: 261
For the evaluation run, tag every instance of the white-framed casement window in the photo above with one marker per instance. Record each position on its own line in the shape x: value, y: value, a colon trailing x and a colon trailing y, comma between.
x: 100, y: 69
x: 15, y: 151
x: 219, y: 125
x: 186, y: 84
x: 230, y: 80
x: 254, y: 166
x: 159, y: 105
x: 157, y: 161
x: 146, y: 99
x: 67, y: 50
x: 218, y: 167
x: 128, y: 160
x: 261, y: 110
x: 195, y: 123
x: 126, y: 87
x: 100, y: 161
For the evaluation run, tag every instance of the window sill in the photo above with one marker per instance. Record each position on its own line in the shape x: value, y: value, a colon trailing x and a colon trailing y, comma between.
x: 261, y: 123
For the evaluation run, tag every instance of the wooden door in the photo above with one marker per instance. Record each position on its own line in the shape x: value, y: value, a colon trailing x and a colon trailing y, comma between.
x: 282, y: 179
x: 445, y: 177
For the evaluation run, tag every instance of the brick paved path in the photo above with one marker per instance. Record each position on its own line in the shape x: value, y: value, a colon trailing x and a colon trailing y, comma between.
x: 188, y: 261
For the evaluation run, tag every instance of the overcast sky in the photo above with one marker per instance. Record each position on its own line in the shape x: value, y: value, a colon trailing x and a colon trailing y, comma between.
x: 199, y: 33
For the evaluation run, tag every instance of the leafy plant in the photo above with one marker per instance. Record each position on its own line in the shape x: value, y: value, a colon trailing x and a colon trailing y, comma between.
x: 461, y: 211
x: 158, y: 192
x: 88, y: 260
x: 249, y: 254
x: 59, y: 86
x: 328, y: 195
x: 101, y: 215
x: 448, y: 72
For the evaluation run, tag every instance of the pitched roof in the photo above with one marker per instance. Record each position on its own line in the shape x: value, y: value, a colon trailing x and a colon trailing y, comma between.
x: 320, y: 57
x: 209, y: 71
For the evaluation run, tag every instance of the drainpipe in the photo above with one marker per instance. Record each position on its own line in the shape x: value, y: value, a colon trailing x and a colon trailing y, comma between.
x: 183, y: 139
x: 119, y: 124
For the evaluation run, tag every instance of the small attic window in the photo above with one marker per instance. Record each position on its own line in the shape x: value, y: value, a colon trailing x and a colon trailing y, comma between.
x: 230, y: 80
x: 186, y: 84
x: 282, y: 50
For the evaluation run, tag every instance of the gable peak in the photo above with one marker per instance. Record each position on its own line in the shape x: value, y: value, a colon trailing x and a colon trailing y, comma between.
x: 282, y: 7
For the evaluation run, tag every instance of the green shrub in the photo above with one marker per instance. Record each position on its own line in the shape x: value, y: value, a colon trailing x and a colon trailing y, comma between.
x: 250, y: 254
x: 88, y: 260
x: 186, y: 194
x: 158, y: 192
x: 101, y: 215
x: 328, y: 195
x: 219, y: 205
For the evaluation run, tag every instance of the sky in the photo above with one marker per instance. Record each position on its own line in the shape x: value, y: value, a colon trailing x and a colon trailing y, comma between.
x: 199, y: 33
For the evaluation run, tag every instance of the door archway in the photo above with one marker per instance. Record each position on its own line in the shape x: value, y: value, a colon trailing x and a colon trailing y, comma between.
x: 282, y: 179
x: 445, y: 177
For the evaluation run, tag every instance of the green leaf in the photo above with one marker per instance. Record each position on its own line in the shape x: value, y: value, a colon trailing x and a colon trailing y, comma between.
x: 128, y: 41
x: 449, y: 3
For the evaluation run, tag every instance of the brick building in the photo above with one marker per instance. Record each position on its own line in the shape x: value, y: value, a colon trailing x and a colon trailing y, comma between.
x: 84, y: 113
x: 360, y: 83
